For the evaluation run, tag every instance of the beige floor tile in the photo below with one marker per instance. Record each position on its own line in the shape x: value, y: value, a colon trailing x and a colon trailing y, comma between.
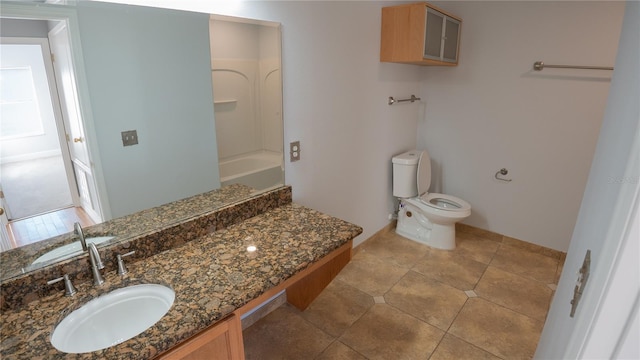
x: 340, y: 351
x: 528, y: 297
x: 476, y: 248
x: 395, y: 249
x: 427, y: 299
x: 498, y: 330
x: 530, y: 265
x: 284, y: 335
x: 387, y: 333
x: 371, y: 274
x: 337, y: 308
x: 452, y: 348
x: 450, y: 268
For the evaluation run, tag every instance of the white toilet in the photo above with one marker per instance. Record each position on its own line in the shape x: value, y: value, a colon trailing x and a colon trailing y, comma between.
x: 424, y: 217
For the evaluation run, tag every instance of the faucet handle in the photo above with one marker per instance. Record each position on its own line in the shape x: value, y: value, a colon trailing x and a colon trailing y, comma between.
x: 122, y: 269
x: 69, y: 289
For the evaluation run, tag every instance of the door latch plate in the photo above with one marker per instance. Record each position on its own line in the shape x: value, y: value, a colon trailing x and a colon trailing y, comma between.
x: 583, y: 276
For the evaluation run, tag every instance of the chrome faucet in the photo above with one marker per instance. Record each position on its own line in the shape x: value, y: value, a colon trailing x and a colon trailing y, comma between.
x: 96, y: 264
x: 77, y: 229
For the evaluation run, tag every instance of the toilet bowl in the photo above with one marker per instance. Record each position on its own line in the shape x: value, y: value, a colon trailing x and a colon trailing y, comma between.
x: 428, y: 218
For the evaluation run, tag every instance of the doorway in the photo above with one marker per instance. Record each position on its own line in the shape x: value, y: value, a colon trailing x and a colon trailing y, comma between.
x: 39, y: 165
x: 32, y: 168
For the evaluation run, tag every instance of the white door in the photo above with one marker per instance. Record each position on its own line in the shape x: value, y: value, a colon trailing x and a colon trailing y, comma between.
x: 602, y: 327
x: 75, y: 135
x: 42, y: 139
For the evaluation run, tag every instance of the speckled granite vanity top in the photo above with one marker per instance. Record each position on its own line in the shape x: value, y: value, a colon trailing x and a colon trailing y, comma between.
x: 16, y: 262
x: 212, y: 276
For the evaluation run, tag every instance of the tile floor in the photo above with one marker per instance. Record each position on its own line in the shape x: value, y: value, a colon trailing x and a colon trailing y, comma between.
x: 398, y: 299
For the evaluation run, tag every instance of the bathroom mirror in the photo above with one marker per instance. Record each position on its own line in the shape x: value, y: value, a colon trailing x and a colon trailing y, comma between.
x: 255, y: 103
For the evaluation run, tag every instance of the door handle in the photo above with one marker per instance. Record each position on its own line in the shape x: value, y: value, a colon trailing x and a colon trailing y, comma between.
x: 78, y: 140
x: 1, y: 211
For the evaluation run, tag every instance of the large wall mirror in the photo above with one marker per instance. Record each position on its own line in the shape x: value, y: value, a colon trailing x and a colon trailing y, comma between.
x: 203, y: 92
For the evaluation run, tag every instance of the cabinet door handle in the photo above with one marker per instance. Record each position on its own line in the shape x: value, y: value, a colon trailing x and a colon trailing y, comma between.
x: 78, y: 140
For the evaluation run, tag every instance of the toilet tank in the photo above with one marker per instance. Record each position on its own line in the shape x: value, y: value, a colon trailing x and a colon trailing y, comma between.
x: 405, y: 166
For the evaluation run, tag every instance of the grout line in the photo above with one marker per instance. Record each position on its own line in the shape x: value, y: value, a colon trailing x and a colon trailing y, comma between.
x: 475, y: 346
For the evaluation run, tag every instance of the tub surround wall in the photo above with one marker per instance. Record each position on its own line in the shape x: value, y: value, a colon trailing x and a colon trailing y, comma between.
x: 212, y: 275
x: 260, y: 170
x: 247, y: 87
x: 157, y: 229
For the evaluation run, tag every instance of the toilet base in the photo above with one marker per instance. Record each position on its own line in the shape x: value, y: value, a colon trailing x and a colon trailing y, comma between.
x: 444, y: 239
x: 418, y: 228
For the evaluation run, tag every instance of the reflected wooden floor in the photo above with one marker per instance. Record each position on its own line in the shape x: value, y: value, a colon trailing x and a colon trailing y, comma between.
x: 30, y: 230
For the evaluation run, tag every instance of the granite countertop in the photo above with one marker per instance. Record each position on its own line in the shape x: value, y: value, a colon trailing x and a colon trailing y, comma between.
x: 212, y: 276
x: 15, y: 262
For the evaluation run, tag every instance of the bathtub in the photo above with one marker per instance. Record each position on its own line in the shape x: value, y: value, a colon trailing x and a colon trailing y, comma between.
x: 259, y: 170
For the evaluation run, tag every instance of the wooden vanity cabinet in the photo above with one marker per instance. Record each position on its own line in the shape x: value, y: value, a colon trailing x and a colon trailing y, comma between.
x: 222, y: 341
x: 420, y: 34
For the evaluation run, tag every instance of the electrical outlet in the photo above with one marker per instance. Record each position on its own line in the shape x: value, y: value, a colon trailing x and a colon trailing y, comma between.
x: 129, y: 138
x: 294, y: 151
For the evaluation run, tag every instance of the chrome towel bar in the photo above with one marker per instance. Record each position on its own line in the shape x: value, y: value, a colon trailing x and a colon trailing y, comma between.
x: 539, y: 65
x: 393, y: 101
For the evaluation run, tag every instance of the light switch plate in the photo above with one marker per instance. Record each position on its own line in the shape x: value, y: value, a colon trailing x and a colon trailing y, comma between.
x: 129, y: 138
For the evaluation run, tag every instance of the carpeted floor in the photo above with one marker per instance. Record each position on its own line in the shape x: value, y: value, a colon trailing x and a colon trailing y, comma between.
x: 35, y: 186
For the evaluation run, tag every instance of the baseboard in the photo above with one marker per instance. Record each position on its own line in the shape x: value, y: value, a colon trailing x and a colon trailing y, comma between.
x: 507, y: 240
x: 30, y: 156
x: 486, y: 234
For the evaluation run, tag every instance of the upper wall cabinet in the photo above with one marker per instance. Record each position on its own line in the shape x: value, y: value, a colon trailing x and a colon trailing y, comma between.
x: 419, y: 34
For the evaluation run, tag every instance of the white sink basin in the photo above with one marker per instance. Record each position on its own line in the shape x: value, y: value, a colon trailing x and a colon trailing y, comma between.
x: 69, y: 250
x: 112, y: 318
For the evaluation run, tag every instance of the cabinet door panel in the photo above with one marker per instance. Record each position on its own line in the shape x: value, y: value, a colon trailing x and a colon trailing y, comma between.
x: 452, y: 30
x: 433, y: 34
x: 222, y: 341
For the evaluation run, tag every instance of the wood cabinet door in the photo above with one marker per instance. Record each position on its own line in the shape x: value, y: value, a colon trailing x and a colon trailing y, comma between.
x: 221, y: 341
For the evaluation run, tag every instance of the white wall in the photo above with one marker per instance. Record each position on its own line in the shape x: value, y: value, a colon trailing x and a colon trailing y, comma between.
x: 494, y: 111
x: 144, y: 75
x: 335, y: 103
x: 498, y: 113
x: 24, y: 28
x: 606, y: 225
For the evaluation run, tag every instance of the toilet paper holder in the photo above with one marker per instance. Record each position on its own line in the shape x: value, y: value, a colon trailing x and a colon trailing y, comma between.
x: 502, y: 172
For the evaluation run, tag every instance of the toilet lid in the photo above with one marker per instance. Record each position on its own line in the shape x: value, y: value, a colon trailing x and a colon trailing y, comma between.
x: 423, y: 175
x: 444, y: 202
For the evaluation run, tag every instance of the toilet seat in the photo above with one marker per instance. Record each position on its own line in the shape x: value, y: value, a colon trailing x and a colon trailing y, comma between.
x: 444, y: 202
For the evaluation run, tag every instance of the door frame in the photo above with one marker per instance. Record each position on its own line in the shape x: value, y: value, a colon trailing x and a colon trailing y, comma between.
x: 57, y: 109
x: 69, y: 16
x: 5, y: 240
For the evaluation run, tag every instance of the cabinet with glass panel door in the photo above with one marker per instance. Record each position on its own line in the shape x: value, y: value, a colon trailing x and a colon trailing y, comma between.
x: 419, y: 34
